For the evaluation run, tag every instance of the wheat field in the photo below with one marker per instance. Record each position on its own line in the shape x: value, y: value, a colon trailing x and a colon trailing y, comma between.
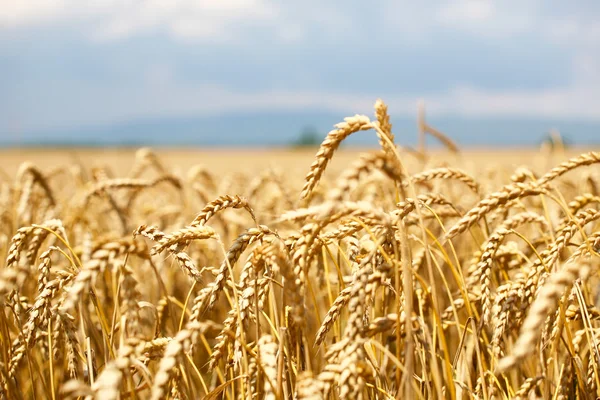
x: 393, y: 273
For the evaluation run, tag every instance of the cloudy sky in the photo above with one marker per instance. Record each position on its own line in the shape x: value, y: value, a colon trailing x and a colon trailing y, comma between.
x: 68, y: 63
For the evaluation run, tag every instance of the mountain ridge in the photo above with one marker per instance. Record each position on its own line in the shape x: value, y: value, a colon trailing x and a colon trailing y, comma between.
x: 284, y: 129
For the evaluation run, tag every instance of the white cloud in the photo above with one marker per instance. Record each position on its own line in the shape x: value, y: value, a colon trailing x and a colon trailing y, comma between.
x: 14, y: 13
x: 35, y: 12
x: 489, y: 18
x: 569, y: 102
x: 112, y: 19
x: 230, y: 19
x: 579, y: 100
x: 466, y: 10
x: 571, y: 31
x: 215, y: 20
x: 416, y: 21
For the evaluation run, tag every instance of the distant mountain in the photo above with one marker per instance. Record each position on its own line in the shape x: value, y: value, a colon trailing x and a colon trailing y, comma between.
x: 284, y: 128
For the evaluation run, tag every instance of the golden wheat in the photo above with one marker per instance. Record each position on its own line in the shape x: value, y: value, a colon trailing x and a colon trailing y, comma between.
x: 385, y: 278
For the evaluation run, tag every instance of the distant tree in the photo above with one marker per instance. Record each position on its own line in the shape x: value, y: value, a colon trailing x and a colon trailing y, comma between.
x: 309, y: 137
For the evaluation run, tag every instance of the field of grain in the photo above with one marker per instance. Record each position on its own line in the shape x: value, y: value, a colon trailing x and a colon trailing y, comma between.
x: 304, y: 274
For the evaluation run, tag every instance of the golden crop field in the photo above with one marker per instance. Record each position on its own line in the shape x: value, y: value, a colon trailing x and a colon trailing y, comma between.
x: 301, y: 274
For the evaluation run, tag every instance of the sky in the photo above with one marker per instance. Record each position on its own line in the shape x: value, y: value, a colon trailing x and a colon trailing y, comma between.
x: 73, y: 63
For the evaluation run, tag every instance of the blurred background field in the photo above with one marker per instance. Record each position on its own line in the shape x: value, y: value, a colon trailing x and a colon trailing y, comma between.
x: 220, y: 160
x: 295, y: 162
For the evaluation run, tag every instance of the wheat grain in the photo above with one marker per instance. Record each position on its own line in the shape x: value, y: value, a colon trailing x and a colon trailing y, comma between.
x: 539, y: 310
x: 329, y: 146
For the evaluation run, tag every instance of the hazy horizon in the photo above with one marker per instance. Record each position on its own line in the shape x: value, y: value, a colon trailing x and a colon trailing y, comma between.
x: 286, y: 128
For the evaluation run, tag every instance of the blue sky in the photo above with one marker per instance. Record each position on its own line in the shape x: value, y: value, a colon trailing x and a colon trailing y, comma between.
x: 69, y: 63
